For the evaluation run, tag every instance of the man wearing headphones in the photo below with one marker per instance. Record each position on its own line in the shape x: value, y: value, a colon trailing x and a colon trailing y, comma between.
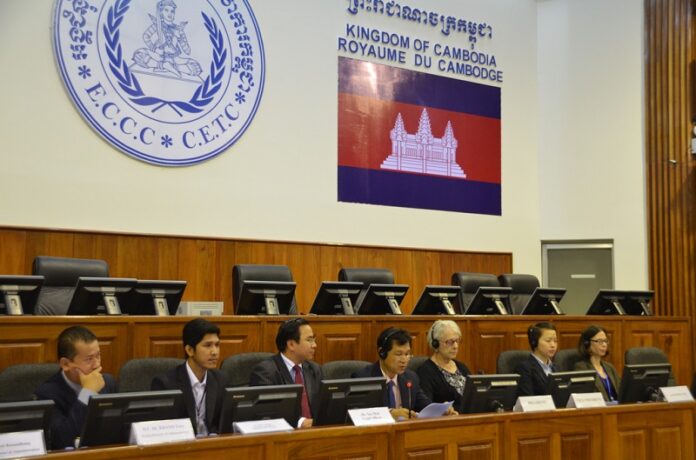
x: 292, y: 365
x: 404, y: 394
x: 535, y: 369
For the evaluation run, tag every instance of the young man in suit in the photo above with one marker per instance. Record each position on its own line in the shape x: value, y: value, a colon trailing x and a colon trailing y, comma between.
x: 78, y: 380
x: 534, y: 371
x: 404, y: 396
x: 296, y: 344
x: 202, y: 384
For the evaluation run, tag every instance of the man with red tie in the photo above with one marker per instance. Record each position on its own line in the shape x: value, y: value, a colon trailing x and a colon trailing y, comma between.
x: 293, y: 364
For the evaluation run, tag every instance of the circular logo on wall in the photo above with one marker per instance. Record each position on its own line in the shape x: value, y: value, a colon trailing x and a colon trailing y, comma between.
x: 170, y: 82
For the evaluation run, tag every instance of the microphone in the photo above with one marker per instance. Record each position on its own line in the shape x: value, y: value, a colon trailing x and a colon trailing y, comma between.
x: 409, y: 384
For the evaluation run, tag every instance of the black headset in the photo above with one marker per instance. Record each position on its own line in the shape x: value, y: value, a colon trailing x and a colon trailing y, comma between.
x: 383, y: 351
x: 533, y: 334
x: 435, y: 343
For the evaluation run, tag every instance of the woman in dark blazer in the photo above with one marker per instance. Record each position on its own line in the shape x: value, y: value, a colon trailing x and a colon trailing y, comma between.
x: 442, y: 377
x: 594, y: 348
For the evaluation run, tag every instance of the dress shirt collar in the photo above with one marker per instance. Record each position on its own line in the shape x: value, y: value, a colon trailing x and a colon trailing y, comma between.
x: 75, y: 387
x: 547, y: 368
x: 192, y: 377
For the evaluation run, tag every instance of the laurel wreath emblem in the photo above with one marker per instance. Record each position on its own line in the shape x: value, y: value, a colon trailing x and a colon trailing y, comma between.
x: 205, y: 92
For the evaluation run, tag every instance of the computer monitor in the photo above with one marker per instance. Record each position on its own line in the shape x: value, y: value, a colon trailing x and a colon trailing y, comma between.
x: 489, y: 393
x: 382, y: 299
x: 336, y: 298
x: 109, y: 416
x: 437, y: 300
x: 544, y: 301
x: 337, y: 397
x: 243, y: 404
x: 562, y: 384
x: 265, y: 298
x: 19, y: 293
x: 94, y: 295
x: 490, y: 300
x: 613, y: 302
x: 157, y: 297
x: 27, y: 416
x: 642, y: 382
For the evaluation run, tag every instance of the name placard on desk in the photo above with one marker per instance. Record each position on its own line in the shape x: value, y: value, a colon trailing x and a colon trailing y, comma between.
x: 22, y: 444
x: 586, y: 400
x: 371, y: 416
x: 534, y: 404
x: 262, y: 426
x: 676, y: 394
x: 161, y: 432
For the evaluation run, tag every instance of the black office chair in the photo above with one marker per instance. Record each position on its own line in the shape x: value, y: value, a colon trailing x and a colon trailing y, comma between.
x: 508, y: 360
x: 60, y: 276
x: 137, y: 374
x: 238, y: 367
x: 522, y: 288
x: 18, y: 382
x: 366, y: 276
x: 255, y: 272
x: 342, y: 369
x: 649, y: 355
x: 565, y: 360
x: 469, y: 283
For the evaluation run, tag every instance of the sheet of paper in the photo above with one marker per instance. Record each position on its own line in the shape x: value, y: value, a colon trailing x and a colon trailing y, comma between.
x: 435, y: 410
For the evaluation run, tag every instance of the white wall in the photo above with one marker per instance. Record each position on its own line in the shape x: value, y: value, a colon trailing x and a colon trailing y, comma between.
x: 591, y: 156
x: 279, y: 181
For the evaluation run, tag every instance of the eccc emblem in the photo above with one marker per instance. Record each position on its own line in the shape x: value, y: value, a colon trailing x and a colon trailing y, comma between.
x: 170, y: 82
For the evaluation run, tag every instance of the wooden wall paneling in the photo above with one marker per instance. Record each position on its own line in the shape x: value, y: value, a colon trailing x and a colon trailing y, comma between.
x: 13, y: 248
x: 225, y: 252
x: 341, y: 341
x: 48, y: 243
x: 336, y: 444
x: 101, y: 246
x: 196, y: 263
x: 168, y: 266
x: 481, y: 440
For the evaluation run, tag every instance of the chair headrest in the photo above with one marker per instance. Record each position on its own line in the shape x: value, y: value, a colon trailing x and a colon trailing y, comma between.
x: 367, y: 275
x: 470, y: 282
x: 520, y: 283
x: 64, y: 271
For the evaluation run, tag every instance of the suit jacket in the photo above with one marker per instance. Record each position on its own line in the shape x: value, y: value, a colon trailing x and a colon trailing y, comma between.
x: 273, y: 371
x: 417, y: 399
x: 533, y: 380
x: 178, y: 379
x: 436, y: 387
x: 69, y: 414
x: 609, y: 369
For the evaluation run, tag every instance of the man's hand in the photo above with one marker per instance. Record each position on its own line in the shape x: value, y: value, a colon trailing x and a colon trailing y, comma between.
x: 402, y: 413
x: 93, y: 381
x: 307, y: 423
x: 451, y: 411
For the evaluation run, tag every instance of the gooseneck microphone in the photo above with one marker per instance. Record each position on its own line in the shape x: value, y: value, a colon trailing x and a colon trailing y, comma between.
x: 409, y: 384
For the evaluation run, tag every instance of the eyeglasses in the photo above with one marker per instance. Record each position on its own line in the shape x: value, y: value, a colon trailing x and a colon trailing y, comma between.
x: 451, y: 342
x: 600, y: 341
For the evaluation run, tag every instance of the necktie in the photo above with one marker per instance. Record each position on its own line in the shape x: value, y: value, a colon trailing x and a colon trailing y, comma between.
x: 390, y: 392
x: 306, y: 413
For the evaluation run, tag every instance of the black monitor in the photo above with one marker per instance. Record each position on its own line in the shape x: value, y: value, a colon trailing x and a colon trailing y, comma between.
x: 109, y: 416
x: 337, y: 397
x: 642, y: 382
x: 544, y: 301
x: 27, y: 416
x: 437, y: 300
x: 265, y: 298
x: 19, y: 293
x: 489, y: 393
x: 260, y: 403
x: 490, y: 300
x: 157, y: 297
x: 613, y: 302
x: 562, y: 384
x: 382, y: 299
x: 94, y: 295
x: 336, y: 298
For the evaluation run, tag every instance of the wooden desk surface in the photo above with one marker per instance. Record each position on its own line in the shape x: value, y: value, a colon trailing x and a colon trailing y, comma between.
x: 637, y: 431
x: 32, y: 339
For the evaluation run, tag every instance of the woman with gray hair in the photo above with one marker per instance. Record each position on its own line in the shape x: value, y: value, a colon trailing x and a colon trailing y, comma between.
x: 442, y: 377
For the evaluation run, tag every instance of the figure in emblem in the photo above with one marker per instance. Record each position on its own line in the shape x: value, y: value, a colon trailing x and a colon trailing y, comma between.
x: 167, y: 44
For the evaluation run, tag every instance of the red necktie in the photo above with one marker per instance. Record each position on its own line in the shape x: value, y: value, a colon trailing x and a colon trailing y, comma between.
x: 306, y: 413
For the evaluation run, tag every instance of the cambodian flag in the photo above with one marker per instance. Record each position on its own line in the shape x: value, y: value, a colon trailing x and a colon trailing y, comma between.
x: 416, y: 140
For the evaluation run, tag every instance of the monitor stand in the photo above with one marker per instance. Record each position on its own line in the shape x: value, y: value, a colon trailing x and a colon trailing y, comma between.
x: 447, y: 305
x: 111, y: 303
x: 271, y: 305
x: 394, y: 305
x: 161, y: 307
x: 500, y: 305
x: 618, y: 307
x: 347, y: 305
x: 13, y: 304
x: 555, y: 307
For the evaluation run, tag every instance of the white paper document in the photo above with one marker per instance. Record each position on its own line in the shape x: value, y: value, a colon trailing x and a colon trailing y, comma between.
x: 435, y: 410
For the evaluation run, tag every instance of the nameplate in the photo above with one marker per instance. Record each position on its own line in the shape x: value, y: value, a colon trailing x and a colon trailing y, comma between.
x: 273, y: 425
x: 371, y: 416
x: 586, y: 400
x: 534, y: 404
x: 161, y: 431
x: 676, y: 394
x: 22, y: 444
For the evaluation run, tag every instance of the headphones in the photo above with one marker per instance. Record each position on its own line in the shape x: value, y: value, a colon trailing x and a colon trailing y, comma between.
x: 533, y: 334
x: 383, y: 351
x: 434, y: 343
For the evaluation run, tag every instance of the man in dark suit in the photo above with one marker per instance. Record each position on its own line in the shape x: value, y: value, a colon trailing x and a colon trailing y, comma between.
x: 296, y: 344
x: 202, y: 384
x: 404, y: 396
x: 80, y: 377
x: 535, y: 369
